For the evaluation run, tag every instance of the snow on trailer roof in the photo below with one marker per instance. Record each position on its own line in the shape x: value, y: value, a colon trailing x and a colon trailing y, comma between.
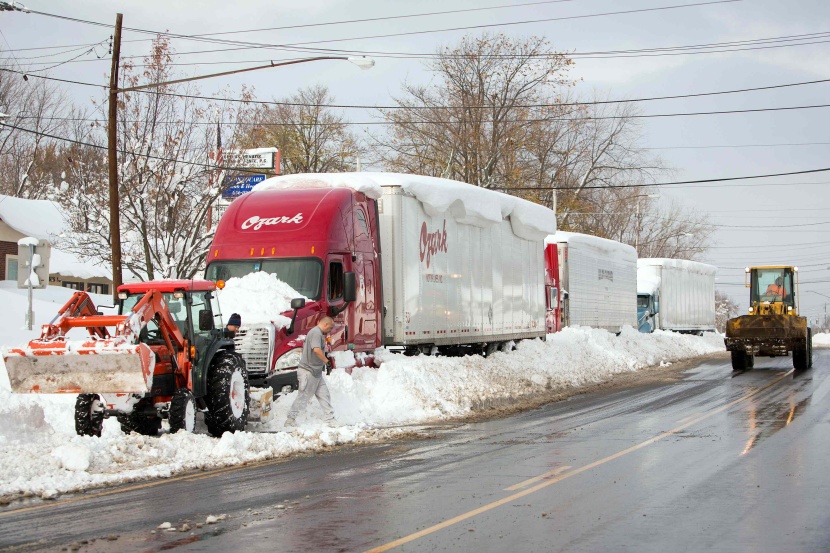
x: 465, y: 202
x: 602, y: 244
x: 685, y: 264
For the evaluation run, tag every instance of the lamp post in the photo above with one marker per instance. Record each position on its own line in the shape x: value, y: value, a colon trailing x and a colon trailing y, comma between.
x: 637, y: 237
x: 115, y: 230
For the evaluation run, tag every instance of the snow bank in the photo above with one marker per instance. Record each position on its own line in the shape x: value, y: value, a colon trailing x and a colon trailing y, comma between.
x: 465, y: 202
x: 822, y: 340
x: 40, y: 453
x: 259, y: 298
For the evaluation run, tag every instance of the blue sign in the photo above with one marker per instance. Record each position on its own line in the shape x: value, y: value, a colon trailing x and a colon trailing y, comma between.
x: 233, y: 187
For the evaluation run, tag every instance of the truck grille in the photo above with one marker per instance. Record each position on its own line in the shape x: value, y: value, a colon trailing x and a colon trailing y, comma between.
x: 254, y: 342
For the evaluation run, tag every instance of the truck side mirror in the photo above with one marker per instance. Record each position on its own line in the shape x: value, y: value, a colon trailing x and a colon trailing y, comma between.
x: 205, y: 319
x: 349, y: 287
x: 296, y: 305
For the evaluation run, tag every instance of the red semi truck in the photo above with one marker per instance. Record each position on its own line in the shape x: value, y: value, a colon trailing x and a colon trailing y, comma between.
x: 418, y: 263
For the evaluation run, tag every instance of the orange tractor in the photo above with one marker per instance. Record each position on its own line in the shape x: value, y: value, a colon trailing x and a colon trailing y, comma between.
x: 165, y: 359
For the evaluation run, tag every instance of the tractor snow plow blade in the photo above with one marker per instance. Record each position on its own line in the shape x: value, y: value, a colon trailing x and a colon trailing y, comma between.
x: 90, y: 367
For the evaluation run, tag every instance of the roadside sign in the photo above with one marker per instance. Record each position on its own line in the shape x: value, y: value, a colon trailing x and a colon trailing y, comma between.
x: 233, y: 187
x: 257, y: 158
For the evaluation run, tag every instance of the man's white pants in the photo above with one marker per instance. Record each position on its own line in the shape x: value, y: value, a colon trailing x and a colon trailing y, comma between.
x: 311, y: 386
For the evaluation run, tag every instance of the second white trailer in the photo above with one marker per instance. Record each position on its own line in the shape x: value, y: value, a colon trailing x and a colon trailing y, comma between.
x: 675, y: 294
x: 598, y: 279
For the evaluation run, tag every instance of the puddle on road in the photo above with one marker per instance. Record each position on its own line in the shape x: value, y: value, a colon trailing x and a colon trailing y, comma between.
x: 765, y: 421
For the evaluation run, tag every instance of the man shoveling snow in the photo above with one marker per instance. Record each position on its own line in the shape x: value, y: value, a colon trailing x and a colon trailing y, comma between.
x: 310, y: 373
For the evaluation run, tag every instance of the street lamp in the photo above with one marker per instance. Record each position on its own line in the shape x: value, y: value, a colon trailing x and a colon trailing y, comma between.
x: 637, y: 237
x: 362, y: 62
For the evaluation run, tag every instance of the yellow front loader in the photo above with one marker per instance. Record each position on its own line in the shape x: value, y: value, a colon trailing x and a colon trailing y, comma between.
x: 773, y: 326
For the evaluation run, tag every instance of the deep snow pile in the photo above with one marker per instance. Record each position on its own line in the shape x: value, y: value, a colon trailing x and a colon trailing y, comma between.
x: 259, y: 298
x: 40, y: 453
x: 822, y: 339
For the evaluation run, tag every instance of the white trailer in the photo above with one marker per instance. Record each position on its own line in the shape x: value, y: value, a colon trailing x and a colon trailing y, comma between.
x: 455, y: 269
x: 675, y: 294
x: 598, y: 279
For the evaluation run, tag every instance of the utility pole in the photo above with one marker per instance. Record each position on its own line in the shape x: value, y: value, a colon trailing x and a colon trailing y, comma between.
x: 112, y: 160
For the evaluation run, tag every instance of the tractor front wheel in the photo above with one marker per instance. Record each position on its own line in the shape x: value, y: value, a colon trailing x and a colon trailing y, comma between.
x: 89, y: 415
x: 183, y: 411
x: 228, y: 394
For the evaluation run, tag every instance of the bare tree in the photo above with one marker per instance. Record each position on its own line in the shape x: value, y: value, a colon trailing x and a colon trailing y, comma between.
x: 168, y: 184
x: 476, y: 122
x: 312, y: 137
x: 725, y: 309
x: 34, y: 108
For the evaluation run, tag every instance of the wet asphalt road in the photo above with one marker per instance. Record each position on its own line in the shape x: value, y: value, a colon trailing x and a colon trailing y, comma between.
x: 716, y: 462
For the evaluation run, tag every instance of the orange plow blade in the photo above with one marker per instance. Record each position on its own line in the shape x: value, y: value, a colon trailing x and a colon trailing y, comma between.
x: 101, y: 366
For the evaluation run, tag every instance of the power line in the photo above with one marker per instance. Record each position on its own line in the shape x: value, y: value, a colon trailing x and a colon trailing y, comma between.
x: 724, y: 179
x: 410, y: 33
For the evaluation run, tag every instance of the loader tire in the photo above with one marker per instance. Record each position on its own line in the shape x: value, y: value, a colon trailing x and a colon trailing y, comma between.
x: 740, y: 360
x: 183, y: 411
x: 801, y: 356
x: 139, y: 423
x: 88, y: 422
x: 228, y: 394
x: 809, y: 348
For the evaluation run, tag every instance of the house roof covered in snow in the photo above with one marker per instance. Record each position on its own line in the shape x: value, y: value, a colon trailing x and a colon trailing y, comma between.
x: 42, y: 219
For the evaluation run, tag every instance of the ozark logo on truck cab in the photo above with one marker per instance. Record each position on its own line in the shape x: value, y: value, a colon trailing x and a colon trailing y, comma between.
x: 433, y: 242
x: 258, y: 222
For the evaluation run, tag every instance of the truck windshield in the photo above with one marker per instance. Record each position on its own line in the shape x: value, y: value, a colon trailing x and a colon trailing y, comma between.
x: 772, y: 285
x: 302, y: 274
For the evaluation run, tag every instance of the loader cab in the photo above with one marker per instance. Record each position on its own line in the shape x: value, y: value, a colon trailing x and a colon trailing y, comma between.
x: 772, y: 290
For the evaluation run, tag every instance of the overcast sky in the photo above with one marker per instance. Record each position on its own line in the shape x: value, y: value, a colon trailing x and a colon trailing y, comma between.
x: 758, y: 220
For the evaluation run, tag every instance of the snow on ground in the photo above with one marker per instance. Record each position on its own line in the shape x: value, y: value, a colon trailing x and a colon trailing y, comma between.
x: 41, y: 455
x: 822, y: 340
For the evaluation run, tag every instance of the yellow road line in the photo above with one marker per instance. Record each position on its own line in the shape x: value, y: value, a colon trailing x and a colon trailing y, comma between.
x: 559, y: 478
x: 530, y: 481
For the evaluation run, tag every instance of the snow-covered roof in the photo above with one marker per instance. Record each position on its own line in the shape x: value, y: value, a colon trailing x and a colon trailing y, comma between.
x: 42, y: 219
x: 467, y: 203
x: 68, y: 265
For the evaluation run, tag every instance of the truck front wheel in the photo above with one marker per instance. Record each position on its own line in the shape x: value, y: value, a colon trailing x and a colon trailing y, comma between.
x: 89, y: 415
x: 740, y: 360
x: 228, y: 394
x: 801, y: 355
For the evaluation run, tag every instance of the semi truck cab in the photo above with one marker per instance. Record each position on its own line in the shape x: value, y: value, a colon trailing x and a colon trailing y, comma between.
x: 323, y: 242
x: 648, y: 311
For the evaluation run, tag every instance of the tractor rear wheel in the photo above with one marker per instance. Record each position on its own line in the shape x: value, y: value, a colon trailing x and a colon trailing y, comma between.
x: 183, y: 411
x: 228, y: 394
x: 740, y: 360
x: 89, y: 415
x: 139, y: 423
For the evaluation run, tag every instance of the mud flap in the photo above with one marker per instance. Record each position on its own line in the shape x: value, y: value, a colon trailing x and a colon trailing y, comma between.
x: 127, y: 369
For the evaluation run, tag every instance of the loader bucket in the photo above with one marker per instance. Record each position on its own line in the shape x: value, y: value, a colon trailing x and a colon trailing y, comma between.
x: 89, y: 367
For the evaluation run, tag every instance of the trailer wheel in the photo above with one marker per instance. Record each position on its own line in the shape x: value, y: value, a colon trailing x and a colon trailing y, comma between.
x: 139, y: 423
x: 183, y: 411
x: 89, y: 415
x: 740, y: 360
x: 228, y: 394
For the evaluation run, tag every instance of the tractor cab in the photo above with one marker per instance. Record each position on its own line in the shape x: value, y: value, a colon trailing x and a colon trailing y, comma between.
x: 772, y: 290
x: 192, y: 306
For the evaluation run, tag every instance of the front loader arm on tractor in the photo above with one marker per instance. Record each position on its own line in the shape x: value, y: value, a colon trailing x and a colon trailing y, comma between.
x: 104, y: 362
